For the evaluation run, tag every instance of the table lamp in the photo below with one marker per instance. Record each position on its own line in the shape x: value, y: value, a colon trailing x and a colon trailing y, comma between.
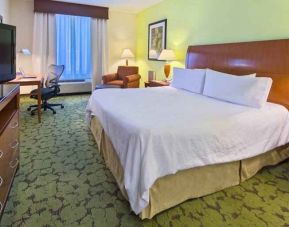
x: 126, y: 54
x: 167, y: 55
x: 153, y: 54
x: 24, y: 52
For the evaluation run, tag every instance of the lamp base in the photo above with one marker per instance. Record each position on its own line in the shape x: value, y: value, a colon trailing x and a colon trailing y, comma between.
x: 167, y: 70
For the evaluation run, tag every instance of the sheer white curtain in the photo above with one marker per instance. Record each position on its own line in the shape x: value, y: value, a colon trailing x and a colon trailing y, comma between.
x: 73, y: 33
x: 99, y: 50
x: 44, y: 45
x: 44, y: 40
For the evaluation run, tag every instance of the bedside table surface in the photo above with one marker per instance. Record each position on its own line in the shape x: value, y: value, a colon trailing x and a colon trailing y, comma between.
x: 156, y: 83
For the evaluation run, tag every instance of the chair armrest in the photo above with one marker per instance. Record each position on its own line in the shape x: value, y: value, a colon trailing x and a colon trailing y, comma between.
x: 55, y: 88
x: 109, y: 77
x: 131, y: 78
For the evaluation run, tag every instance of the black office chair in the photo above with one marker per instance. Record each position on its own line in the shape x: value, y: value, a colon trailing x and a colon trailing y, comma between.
x: 51, y: 90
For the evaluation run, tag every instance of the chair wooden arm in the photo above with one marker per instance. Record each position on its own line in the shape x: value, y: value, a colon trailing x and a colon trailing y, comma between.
x: 109, y: 77
x: 131, y: 81
x: 131, y: 78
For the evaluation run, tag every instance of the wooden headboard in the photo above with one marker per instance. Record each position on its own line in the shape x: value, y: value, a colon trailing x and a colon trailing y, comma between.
x: 266, y: 58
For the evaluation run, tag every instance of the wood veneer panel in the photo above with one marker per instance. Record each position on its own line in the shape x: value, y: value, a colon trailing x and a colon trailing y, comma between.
x: 266, y: 58
x: 9, y: 142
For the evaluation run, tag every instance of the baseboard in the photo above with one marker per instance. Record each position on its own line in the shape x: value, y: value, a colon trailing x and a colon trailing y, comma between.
x: 75, y: 87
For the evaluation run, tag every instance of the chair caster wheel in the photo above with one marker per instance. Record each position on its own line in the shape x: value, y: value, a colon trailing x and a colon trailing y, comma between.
x: 29, y: 108
x: 62, y: 107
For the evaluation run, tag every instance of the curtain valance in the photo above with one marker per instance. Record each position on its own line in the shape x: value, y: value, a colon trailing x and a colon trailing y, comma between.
x: 55, y: 7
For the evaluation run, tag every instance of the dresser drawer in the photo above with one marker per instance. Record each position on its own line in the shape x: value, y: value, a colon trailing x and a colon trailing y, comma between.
x: 11, y: 132
x: 7, y: 175
x: 9, y: 157
x: 9, y: 139
x: 7, y: 172
x: 6, y: 181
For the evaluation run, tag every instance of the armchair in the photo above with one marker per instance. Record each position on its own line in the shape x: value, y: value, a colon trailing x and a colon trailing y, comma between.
x: 126, y: 77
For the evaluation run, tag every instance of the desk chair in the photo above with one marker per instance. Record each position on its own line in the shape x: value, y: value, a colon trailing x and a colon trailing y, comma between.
x: 51, y: 90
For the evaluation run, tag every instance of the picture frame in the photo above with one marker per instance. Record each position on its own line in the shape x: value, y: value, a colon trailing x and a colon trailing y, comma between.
x: 157, y: 39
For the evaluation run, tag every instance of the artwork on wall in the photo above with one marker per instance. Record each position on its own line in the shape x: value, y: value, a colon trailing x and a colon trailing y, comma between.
x: 157, y: 39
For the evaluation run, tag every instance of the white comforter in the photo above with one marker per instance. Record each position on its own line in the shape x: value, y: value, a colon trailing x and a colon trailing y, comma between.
x: 159, y: 131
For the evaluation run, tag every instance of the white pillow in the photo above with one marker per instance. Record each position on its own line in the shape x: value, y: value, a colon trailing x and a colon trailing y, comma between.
x: 248, y: 91
x: 216, y: 73
x: 189, y: 79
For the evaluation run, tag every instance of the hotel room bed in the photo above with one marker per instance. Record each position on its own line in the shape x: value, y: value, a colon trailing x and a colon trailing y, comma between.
x: 165, y: 145
x: 172, y: 130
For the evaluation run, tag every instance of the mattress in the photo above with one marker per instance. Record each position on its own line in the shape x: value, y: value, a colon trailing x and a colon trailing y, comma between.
x: 159, y: 131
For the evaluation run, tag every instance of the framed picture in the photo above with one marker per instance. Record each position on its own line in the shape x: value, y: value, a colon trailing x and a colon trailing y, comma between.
x: 157, y: 39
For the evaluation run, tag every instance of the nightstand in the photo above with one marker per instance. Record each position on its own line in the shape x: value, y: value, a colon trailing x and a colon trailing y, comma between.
x: 156, y: 83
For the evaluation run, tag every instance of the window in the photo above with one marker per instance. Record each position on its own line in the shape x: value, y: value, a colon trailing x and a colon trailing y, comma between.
x: 73, y: 47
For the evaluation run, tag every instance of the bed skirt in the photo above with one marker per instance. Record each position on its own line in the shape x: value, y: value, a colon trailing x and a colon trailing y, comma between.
x: 174, y: 189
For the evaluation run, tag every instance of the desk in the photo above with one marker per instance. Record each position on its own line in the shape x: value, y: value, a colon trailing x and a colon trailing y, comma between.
x: 28, y: 82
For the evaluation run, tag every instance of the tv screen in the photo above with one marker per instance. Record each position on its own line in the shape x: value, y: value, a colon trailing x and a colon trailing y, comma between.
x: 7, y: 52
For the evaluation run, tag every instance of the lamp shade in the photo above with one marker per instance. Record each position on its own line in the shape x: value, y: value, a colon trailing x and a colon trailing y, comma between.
x: 153, y: 54
x: 127, y: 53
x: 167, y: 55
x: 26, y: 52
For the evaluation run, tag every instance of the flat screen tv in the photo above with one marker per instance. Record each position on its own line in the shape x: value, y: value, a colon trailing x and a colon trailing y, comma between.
x: 7, y: 52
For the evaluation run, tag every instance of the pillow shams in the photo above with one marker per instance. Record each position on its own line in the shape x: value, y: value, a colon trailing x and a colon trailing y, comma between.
x: 189, y: 79
x: 248, y: 91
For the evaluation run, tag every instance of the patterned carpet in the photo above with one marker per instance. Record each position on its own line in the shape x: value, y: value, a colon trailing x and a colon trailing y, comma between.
x: 62, y: 181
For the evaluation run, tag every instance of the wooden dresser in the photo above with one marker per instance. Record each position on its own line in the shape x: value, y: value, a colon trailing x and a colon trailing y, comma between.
x: 9, y: 139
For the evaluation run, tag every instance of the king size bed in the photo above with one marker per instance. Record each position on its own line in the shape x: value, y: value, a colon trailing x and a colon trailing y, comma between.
x: 167, y: 145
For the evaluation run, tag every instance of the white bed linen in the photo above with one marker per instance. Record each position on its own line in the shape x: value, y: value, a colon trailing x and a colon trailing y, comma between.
x: 244, y: 90
x: 159, y: 131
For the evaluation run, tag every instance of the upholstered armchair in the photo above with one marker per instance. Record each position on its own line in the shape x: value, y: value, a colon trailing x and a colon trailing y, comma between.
x: 126, y: 77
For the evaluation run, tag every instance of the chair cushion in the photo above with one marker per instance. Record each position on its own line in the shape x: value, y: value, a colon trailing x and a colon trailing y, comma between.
x: 44, y: 92
x: 116, y: 82
x: 126, y: 71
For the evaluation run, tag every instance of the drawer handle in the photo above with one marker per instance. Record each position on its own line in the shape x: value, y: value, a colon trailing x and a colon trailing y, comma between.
x: 15, y: 144
x: 1, y: 181
x: 1, y: 153
x: 14, y: 125
x: 12, y: 166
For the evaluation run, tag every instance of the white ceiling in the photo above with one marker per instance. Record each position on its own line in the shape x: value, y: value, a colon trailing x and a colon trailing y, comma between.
x: 133, y: 6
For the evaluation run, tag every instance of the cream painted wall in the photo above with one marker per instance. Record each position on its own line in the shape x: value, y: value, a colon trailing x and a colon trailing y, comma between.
x: 21, y: 15
x: 121, y: 35
x: 21, y: 12
x: 192, y: 22
x: 5, y: 10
